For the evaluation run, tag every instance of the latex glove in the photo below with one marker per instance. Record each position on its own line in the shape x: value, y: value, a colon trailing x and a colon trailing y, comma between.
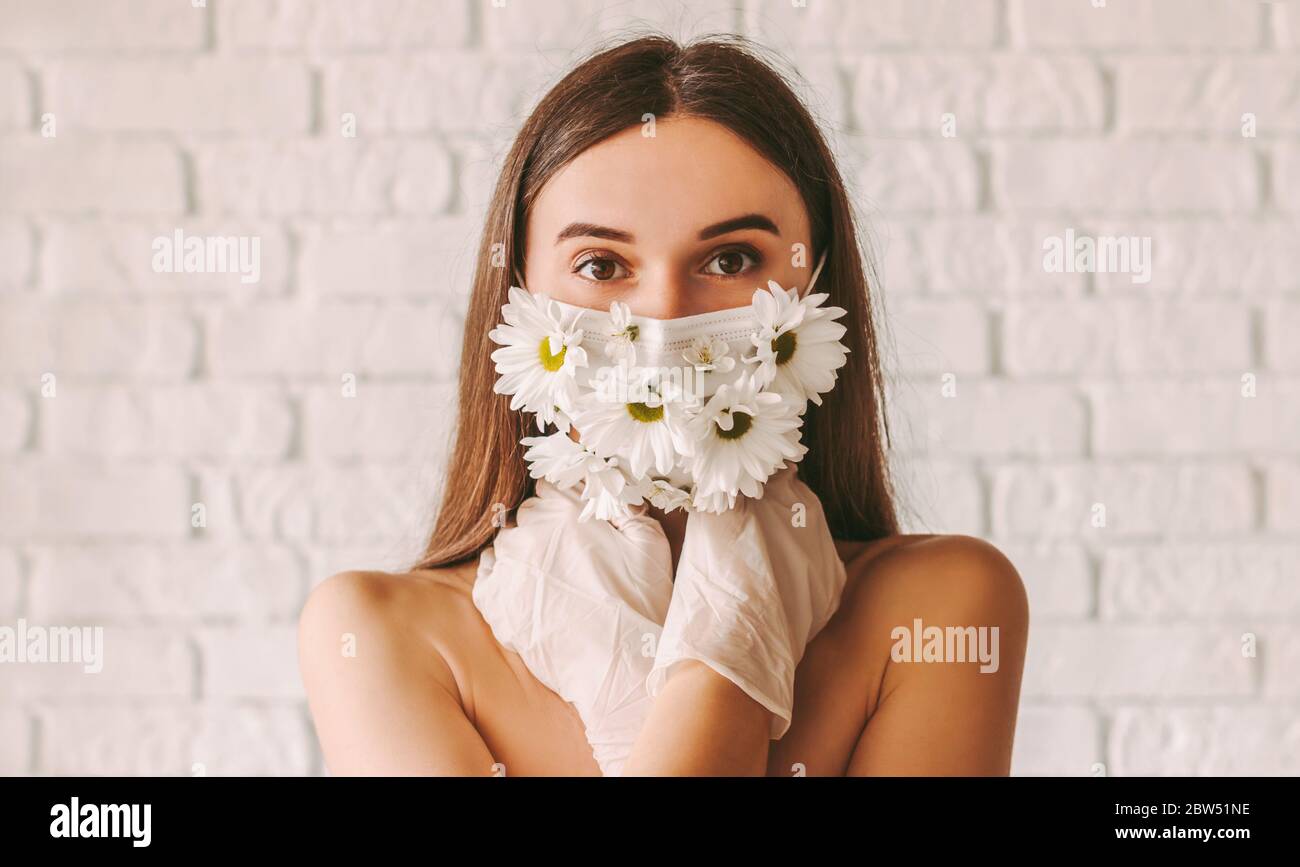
x: 583, y: 604
x: 752, y: 590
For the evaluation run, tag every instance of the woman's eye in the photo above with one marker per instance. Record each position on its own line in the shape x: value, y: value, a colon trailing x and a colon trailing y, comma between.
x: 731, y: 262
x: 599, y: 268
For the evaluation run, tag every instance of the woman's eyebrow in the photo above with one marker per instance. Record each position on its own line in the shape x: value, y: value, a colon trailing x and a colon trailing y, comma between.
x: 748, y: 221
x: 591, y: 230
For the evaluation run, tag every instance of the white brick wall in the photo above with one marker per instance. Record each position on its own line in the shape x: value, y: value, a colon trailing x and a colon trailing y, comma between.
x: 1072, y: 389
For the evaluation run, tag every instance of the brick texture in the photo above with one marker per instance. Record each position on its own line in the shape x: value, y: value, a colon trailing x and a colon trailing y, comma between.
x: 184, y: 455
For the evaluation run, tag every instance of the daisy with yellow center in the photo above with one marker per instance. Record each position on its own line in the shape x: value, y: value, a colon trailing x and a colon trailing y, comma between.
x: 629, y: 434
x: 539, y: 356
x: 645, y: 426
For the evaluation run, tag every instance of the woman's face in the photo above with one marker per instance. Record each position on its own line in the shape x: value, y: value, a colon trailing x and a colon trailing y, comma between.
x: 690, y: 221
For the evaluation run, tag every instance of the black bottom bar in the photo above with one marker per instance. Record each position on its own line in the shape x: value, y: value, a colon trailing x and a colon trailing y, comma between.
x: 208, y: 816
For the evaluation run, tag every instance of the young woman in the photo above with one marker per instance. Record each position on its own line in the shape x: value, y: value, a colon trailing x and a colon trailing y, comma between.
x: 673, y: 179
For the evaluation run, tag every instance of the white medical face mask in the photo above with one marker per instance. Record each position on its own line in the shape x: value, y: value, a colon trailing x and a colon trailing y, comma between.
x: 660, y: 343
x: 687, y: 413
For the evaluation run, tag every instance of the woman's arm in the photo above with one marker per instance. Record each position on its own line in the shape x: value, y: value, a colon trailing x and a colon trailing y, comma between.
x: 754, y: 584
x: 701, y: 724
x: 857, y: 711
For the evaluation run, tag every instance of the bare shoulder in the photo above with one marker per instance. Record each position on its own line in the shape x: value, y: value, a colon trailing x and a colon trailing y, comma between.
x: 935, y: 571
x: 417, y: 594
x: 400, y: 613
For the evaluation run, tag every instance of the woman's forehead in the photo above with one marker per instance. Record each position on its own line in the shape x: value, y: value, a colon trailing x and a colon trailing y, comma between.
x: 690, y: 174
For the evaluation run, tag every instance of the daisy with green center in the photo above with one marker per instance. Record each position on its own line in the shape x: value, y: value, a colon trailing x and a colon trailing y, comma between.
x: 645, y: 425
x: 742, y: 436
x: 539, y: 356
x: 797, y: 345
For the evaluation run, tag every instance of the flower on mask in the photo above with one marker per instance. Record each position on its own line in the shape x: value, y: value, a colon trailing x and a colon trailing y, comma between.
x: 797, y: 346
x: 607, y: 491
x: 742, y: 435
x: 666, y: 496
x: 622, y: 345
x: 707, y: 354
x: 539, y: 356
x: 557, y: 458
x: 716, y: 502
x: 645, y: 425
x: 627, y: 434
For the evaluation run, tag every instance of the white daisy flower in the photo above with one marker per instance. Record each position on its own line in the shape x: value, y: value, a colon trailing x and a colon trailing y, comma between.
x: 666, y: 496
x: 645, y: 426
x: 540, y: 355
x: 608, y: 493
x: 717, y: 502
x: 622, y: 346
x: 557, y: 458
x: 710, y: 354
x: 742, y: 436
x: 562, y: 421
x: 797, y: 346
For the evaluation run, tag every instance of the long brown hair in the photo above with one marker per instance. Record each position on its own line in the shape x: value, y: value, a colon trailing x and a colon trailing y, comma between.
x: 718, y: 78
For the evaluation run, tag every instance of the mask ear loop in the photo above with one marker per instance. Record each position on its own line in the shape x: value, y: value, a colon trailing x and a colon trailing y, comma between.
x: 813, y: 279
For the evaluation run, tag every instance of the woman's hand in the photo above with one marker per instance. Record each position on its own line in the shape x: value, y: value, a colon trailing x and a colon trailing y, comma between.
x: 582, y: 603
x: 754, y: 585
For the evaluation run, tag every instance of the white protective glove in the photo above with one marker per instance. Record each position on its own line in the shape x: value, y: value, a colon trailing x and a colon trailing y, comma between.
x: 582, y: 603
x: 753, y: 588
